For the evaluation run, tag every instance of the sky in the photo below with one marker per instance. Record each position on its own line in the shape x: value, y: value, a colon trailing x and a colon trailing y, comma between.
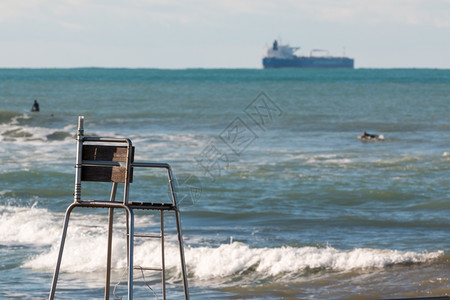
x: 178, y: 34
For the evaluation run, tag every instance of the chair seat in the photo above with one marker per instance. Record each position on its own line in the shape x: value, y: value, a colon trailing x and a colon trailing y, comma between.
x: 151, y: 205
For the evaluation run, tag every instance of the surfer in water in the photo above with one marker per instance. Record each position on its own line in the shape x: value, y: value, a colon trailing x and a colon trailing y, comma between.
x: 35, y: 106
x: 368, y: 136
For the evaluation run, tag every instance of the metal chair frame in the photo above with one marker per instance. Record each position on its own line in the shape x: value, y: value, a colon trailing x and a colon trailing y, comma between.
x: 118, y: 170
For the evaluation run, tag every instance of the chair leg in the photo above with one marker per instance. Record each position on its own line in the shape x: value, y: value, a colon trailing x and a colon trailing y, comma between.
x: 109, y: 253
x: 109, y: 246
x: 130, y: 231
x: 163, y: 259
x: 61, y: 250
x: 182, y: 259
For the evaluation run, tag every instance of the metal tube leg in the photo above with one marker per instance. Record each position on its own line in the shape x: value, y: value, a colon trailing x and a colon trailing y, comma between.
x: 61, y: 250
x: 110, y: 233
x: 130, y: 251
x: 109, y: 253
x: 128, y: 239
x: 163, y: 259
x: 183, y: 263
x: 180, y: 237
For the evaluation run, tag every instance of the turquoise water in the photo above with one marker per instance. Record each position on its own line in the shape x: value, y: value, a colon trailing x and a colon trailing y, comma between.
x: 280, y: 198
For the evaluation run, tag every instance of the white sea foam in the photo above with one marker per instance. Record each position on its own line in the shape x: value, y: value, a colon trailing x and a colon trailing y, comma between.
x: 39, y: 226
x: 328, y: 159
x: 235, y: 258
x: 85, y: 249
x: 26, y: 146
x: 227, y: 260
x: 24, y: 225
x: 22, y: 133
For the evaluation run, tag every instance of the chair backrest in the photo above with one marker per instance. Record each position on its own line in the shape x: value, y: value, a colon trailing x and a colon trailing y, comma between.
x: 105, y: 153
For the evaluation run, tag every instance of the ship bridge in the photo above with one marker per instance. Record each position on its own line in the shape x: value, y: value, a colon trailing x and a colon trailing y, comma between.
x: 281, y: 51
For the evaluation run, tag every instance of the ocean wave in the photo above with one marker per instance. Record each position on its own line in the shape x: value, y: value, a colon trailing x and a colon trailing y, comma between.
x: 7, y: 116
x: 41, y: 227
x: 236, y: 258
x: 228, y: 260
x: 25, y: 225
x: 328, y: 159
x: 10, y: 132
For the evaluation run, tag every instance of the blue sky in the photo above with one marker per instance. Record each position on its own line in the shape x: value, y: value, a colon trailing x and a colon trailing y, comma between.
x: 220, y: 33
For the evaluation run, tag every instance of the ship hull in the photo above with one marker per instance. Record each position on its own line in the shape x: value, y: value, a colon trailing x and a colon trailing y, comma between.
x: 308, y: 62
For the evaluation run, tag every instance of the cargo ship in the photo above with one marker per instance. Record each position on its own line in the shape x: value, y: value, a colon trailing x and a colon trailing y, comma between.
x: 284, y: 56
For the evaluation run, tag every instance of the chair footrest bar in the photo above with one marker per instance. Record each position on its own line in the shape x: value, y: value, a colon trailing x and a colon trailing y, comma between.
x: 148, y: 269
x: 146, y: 235
x: 151, y: 205
x: 132, y: 205
x: 158, y: 204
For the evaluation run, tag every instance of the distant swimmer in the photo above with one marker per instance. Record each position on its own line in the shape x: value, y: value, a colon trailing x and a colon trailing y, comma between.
x: 370, y: 137
x: 35, y: 106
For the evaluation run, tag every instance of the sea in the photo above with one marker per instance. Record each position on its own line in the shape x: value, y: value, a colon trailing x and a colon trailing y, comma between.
x: 278, y: 197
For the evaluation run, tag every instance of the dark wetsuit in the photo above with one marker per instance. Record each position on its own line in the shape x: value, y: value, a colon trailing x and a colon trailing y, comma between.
x: 373, y: 136
x: 35, y: 106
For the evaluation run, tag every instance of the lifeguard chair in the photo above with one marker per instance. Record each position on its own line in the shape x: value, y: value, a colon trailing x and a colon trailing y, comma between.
x: 102, y: 159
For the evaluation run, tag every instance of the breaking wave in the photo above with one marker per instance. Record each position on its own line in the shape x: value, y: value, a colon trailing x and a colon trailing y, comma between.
x: 41, y: 227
